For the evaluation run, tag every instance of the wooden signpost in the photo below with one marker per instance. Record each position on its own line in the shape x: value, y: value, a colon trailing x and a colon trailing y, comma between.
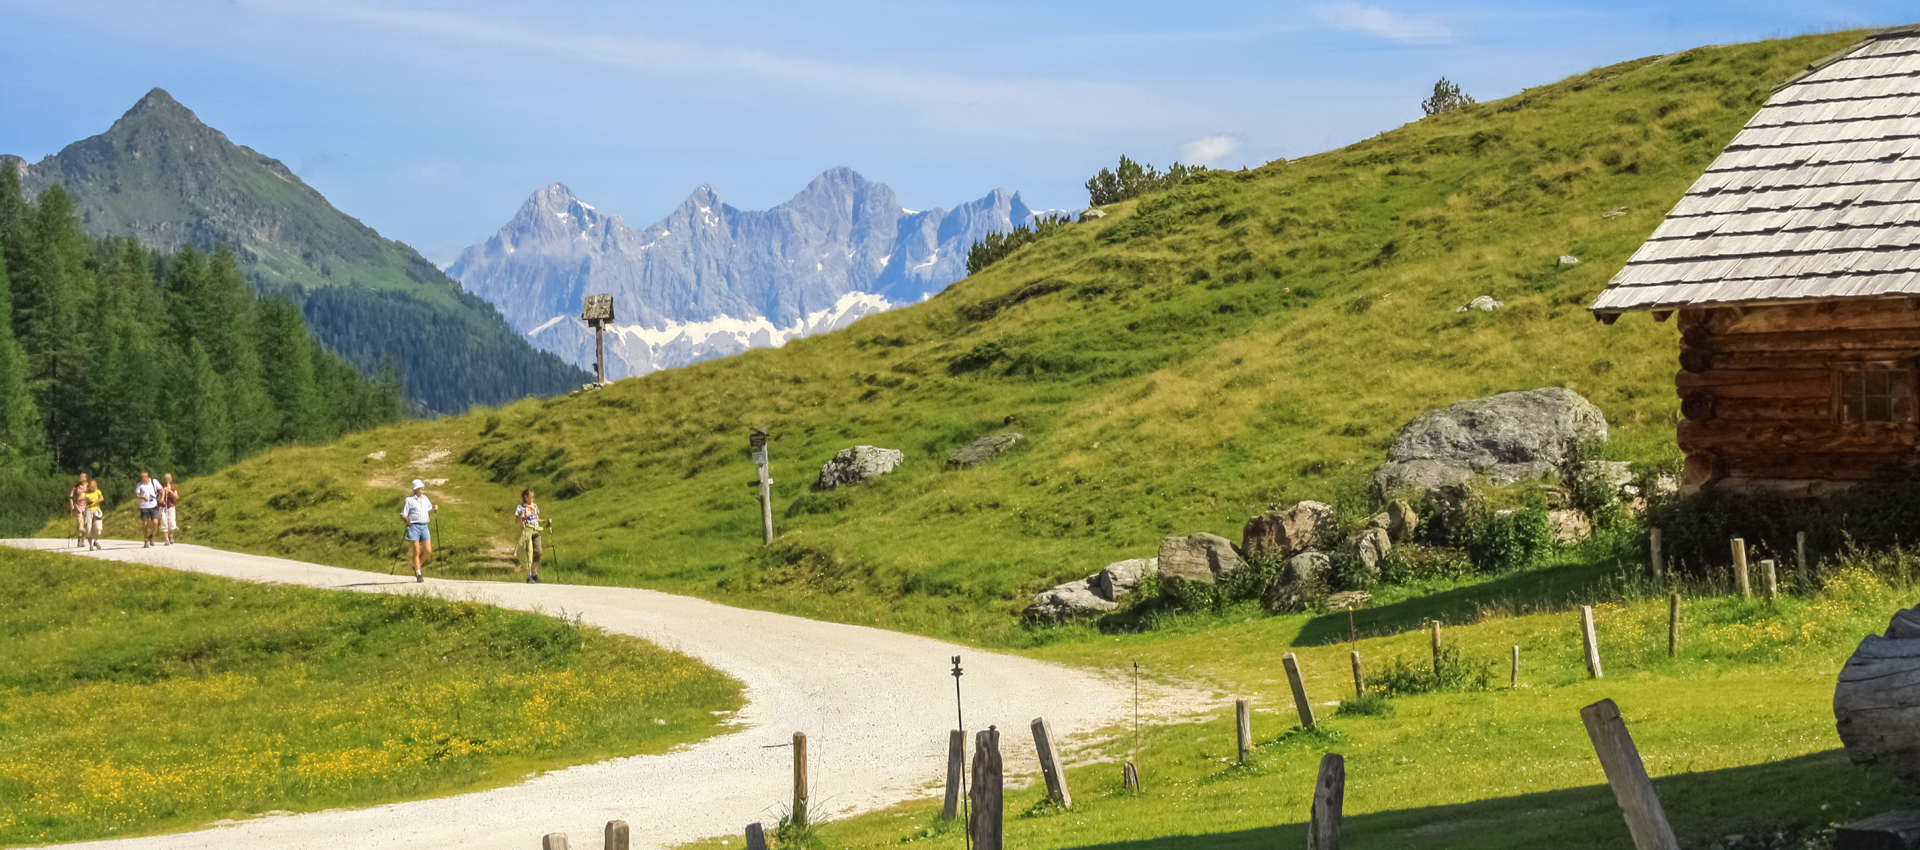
x: 1300, y: 702
x: 800, y: 778
x: 597, y: 312
x: 757, y: 440
x: 1359, y: 682
x: 1740, y: 568
x: 1243, y: 728
x: 1627, y: 775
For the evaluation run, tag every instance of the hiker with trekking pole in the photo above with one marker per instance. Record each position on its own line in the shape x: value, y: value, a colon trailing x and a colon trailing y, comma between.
x: 418, y: 511
x: 527, y: 516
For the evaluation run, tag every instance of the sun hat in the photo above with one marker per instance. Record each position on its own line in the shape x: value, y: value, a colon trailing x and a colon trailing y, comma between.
x: 417, y: 484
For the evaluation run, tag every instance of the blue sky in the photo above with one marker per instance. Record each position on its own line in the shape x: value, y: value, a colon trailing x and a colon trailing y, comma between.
x: 432, y: 122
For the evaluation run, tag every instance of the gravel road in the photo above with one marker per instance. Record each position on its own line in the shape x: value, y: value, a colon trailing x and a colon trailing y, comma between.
x: 876, y: 707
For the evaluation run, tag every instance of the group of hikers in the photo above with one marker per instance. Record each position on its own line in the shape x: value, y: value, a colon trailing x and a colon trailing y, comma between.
x: 418, y: 510
x: 159, y: 509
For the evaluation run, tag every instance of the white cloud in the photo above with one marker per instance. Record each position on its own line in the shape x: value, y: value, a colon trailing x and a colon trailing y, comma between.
x: 1208, y: 151
x: 1374, y: 20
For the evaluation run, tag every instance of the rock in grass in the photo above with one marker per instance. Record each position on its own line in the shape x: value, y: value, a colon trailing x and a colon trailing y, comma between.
x: 1506, y: 438
x: 1304, y: 580
x: 1202, y: 558
x: 1371, y: 547
x: 1402, y: 521
x: 1449, y: 508
x: 1069, y: 601
x: 1119, y: 577
x: 857, y: 464
x: 982, y: 450
x: 1484, y: 304
x: 1284, y: 534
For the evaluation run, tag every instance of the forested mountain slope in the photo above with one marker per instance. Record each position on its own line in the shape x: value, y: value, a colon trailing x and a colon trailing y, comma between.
x: 162, y: 176
x: 1175, y: 367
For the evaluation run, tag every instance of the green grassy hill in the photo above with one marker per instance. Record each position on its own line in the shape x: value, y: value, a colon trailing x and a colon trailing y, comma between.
x: 1175, y: 367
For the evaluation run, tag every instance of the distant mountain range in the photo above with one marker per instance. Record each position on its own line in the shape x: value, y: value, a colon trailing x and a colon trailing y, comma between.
x: 165, y: 177
x: 711, y: 280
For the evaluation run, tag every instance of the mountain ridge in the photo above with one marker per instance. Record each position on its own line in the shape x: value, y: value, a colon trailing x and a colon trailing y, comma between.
x: 160, y: 174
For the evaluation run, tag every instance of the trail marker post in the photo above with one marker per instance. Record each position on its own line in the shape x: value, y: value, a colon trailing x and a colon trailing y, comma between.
x: 757, y: 440
x: 800, y: 779
x: 984, y: 823
x: 1130, y: 775
x: 1300, y: 702
x: 1627, y: 775
x: 1740, y: 568
x: 1359, y: 681
x: 597, y: 312
x: 1589, y: 641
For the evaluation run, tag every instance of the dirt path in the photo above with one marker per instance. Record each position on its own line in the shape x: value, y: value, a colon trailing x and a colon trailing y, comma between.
x: 876, y: 707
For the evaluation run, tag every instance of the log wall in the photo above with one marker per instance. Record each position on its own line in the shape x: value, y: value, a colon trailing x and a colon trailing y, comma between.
x: 1761, y: 390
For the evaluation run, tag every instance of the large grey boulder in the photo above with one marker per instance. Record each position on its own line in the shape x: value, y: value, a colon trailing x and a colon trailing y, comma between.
x: 857, y: 464
x: 1504, y: 438
x: 1119, y: 577
x: 1371, y: 547
x: 1202, y: 558
x: 1306, y: 578
x: 1284, y: 534
x: 1069, y: 601
x: 982, y: 450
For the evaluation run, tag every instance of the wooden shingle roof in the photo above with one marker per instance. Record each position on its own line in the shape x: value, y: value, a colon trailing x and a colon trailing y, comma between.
x: 1818, y: 198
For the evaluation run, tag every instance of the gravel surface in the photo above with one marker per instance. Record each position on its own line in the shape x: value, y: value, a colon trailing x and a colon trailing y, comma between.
x: 876, y: 707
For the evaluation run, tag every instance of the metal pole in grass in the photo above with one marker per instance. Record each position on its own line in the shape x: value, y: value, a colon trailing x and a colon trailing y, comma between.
x: 960, y: 717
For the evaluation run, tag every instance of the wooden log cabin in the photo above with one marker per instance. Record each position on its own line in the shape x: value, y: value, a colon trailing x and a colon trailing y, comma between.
x: 1793, y: 268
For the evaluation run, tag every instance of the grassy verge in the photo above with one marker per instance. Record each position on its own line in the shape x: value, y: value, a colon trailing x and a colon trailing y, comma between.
x: 1737, y: 730
x: 136, y: 700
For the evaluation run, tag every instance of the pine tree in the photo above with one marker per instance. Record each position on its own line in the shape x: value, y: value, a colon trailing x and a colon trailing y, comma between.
x: 22, y: 443
x: 207, y: 439
x: 50, y: 291
x: 123, y: 383
x: 287, y: 366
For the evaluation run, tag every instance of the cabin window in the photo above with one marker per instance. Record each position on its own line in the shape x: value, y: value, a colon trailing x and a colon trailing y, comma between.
x: 1876, y: 395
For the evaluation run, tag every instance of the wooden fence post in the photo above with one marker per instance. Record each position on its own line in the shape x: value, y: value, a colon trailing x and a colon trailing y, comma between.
x: 1589, y: 641
x: 1740, y: 568
x: 1130, y: 777
x: 1773, y: 580
x: 1653, y: 543
x: 956, y: 772
x: 553, y: 841
x: 1359, y: 681
x: 1628, y: 777
x: 1514, y: 681
x: 1329, y: 796
x: 800, y: 779
x: 618, y: 836
x: 1800, y: 550
x: 1243, y: 728
x: 756, y: 837
x: 1436, y: 648
x: 984, y: 825
x: 1050, y: 764
x: 1300, y: 702
x: 1673, y: 625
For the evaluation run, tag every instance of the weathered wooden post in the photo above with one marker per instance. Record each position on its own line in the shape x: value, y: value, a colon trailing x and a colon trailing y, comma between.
x: 756, y: 837
x: 1653, y: 544
x: 1359, y: 682
x: 597, y: 312
x: 800, y: 779
x: 1243, y: 728
x: 1673, y: 625
x: 618, y: 836
x: 1436, y: 647
x: 984, y: 821
x: 1050, y: 764
x: 1740, y: 567
x: 1329, y: 797
x: 1514, y: 680
x: 956, y: 770
x: 1773, y: 581
x: 1300, y: 702
x: 757, y: 439
x: 1589, y: 641
x: 553, y: 841
x: 1628, y: 777
x: 1800, y: 552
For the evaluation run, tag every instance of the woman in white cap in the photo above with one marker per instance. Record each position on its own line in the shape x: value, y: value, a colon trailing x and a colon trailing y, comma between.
x: 418, y: 511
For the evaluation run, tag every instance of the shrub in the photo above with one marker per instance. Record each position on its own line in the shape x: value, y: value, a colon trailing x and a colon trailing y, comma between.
x: 1500, y: 541
x: 1401, y: 677
x: 1370, y: 704
x: 1133, y: 180
x: 1447, y: 97
x: 1695, y: 529
x: 997, y: 246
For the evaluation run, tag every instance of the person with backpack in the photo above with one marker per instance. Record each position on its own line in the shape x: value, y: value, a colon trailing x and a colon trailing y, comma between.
x: 527, y: 515
x: 418, y: 512
x: 148, y: 492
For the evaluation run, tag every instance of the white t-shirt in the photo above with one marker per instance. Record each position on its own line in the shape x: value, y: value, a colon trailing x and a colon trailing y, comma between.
x: 149, y: 494
x: 418, y: 510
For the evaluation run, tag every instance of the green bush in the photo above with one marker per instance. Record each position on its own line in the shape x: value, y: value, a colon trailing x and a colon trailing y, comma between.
x: 1401, y: 677
x: 1132, y: 180
x: 1501, y: 541
x: 1695, y: 530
